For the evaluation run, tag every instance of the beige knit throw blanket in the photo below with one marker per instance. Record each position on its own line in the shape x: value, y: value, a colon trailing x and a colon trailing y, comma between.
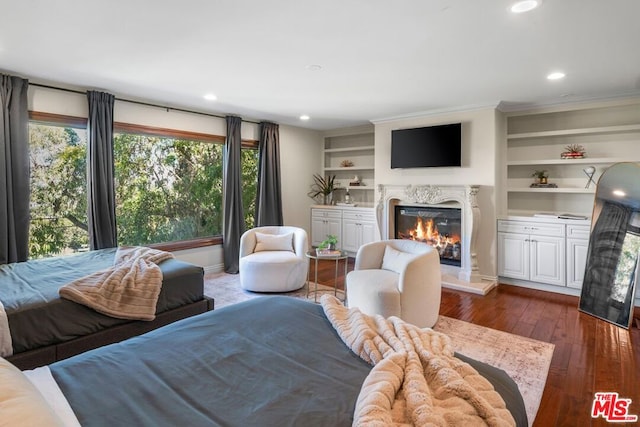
x: 415, y: 380
x: 127, y: 290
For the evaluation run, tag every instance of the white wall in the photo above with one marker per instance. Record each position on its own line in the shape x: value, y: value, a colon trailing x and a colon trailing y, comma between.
x: 300, y: 152
x: 480, y: 138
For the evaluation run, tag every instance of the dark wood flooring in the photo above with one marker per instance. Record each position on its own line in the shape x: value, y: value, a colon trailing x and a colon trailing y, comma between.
x: 590, y: 355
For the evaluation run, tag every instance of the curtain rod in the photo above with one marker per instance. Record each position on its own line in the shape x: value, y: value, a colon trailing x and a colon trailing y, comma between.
x: 148, y: 104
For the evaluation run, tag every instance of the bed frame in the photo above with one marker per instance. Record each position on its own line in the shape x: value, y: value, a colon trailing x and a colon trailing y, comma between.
x: 45, y: 355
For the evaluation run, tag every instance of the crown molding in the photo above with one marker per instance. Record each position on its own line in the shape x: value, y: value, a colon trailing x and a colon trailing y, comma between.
x: 436, y: 112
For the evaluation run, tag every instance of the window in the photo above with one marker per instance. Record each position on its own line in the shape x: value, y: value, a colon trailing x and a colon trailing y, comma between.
x: 168, y: 185
x: 170, y: 189
x: 58, y: 189
x: 249, y: 184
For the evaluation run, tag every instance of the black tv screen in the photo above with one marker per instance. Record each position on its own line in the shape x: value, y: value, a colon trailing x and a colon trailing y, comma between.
x: 433, y: 146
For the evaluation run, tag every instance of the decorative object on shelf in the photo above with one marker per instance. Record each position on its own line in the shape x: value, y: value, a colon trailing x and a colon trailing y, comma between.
x: 573, y: 151
x: 355, y: 182
x: 540, y: 176
x: 323, y: 186
x: 346, y: 163
x: 347, y: 197
x: 329, y: 243
x: 589, y: 171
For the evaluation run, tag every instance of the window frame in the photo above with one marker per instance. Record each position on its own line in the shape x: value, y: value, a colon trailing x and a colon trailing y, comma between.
x: 121, y: 127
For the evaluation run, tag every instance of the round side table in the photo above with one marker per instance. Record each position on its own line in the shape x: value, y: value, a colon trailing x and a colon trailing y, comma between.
x: 336, y: 257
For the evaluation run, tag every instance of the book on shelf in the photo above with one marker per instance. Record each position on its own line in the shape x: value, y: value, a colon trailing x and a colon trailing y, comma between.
x: 559, y: 216
x: 572, y: 216
x: 549, y: 185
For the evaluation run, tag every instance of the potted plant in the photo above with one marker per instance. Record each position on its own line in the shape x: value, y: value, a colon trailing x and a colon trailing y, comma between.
x: 322, y: 186
x: 541, y: 176
x: 330, y: 243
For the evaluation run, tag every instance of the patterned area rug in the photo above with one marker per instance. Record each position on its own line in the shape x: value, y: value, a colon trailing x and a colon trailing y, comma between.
x: 526, y: 360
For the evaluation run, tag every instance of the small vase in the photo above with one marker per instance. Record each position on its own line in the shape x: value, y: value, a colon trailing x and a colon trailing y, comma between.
x: 328, y: 199
x: 543, y: 180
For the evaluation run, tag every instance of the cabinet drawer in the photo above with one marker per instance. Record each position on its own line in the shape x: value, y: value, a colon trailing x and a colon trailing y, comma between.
x: 359, y: 215
x: 538, y: 228
x: 326, y: 213
x: 578, y: 231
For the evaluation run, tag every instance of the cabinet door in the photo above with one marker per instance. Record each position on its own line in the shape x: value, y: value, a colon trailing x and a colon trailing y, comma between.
x: 369, y: 232
x: 547, y: 259
x: 513, y: 259
x: 334, y: 226
x: 318, y: 230
x: 576, y: 261
x: 351, y: 231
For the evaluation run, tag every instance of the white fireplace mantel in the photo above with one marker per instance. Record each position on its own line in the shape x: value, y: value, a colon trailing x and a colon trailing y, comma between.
x: 463, y: 196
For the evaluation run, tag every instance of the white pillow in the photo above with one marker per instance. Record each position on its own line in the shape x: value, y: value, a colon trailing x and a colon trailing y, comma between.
x: 395, y: 260
x: 21, y: 404
x: 274, y: 242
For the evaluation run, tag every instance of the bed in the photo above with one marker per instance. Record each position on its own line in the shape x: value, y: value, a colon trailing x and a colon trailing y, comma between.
x: 45, y: 328
x: 273, y: 360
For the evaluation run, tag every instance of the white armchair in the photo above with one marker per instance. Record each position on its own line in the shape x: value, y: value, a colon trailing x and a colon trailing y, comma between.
x: 397, y: 278
x: 272, y: 259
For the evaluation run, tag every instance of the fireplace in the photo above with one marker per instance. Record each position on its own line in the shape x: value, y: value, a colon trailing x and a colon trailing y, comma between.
x: 440, y: 227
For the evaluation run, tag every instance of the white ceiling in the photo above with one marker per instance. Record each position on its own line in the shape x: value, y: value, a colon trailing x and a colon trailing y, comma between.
x: 379, y: 59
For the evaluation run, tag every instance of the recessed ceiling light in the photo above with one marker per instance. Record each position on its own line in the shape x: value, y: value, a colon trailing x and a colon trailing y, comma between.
x: 304, y: 117
x: 524, y: 6
x: 314, y: 67
x: 619, y: 193
x: 210, y: 97
x: 557, y: 75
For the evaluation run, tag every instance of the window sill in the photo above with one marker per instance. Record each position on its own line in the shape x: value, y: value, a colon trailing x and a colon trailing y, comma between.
x: 188, y: 244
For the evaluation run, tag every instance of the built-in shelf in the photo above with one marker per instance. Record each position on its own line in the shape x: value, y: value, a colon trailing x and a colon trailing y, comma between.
x: 583, y: 161
x: 609, y: 132
x: 551, y: 190
x: 344, y: 150
x: 356, y: 187
x: 580, y: 131
x: 355, y: 145
x: 351, y: 168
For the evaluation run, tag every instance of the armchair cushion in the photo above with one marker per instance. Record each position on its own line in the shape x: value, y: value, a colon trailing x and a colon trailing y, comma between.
x: 274, y: 242
x: 395, y: 260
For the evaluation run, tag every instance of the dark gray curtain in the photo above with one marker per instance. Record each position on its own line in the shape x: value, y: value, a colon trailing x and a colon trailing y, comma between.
x: 100, y: 186
x: 233, y: 221
x: 14, y: 167
x: 605, y: 245
x: 269, y: 194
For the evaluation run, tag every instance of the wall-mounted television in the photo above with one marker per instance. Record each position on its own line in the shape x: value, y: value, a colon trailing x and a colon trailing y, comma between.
x: 432, y: 146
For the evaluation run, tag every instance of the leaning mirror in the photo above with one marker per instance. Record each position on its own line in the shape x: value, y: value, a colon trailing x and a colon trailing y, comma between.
x: 608, y: 289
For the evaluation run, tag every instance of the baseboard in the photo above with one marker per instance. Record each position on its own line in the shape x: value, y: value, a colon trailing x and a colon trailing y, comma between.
x: 217, y: 268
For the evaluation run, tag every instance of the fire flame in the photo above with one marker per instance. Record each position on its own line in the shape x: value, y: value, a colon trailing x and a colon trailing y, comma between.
x: 427, y: 231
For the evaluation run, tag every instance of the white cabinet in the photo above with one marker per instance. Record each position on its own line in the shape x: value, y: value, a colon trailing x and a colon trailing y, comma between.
x: 577, y: 247
x: 358, y: 227
x: 353, y: 226
x: 609, y: 132
x: 532, y: 251
x: 325, y: 222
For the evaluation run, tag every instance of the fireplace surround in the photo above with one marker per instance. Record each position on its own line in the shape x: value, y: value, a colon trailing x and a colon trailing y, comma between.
x: 466, y: 276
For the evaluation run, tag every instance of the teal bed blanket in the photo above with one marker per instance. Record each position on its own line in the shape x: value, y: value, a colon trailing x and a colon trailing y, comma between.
x: 270, y: 361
